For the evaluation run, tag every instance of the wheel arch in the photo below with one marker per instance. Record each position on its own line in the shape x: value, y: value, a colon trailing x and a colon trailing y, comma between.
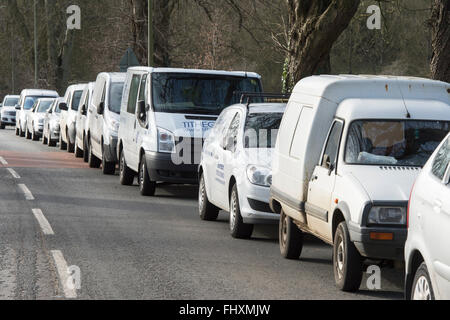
x: 415, y: 260
x: 340, y: 214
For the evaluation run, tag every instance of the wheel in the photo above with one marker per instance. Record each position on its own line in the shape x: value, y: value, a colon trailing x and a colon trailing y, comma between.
x: 51, y: 143
x: 126, y: 175
x: 44, y: 139
x: 147, y: 187
x: 62, y: 144
x: 238, y: 228
x: 70, y: 146
x: 422, y: 288
x: 17, y: 132
x: 108, y: 168
x: 207, y: 211
x: 93, y: 161
x: 290, y: 238
x: 21, y: 132
x: 28, y: 134
x: 2, y: 126
x: 78, y: 151
x: 85, y: 153
x: 34, y: 137
x: 347, y: 261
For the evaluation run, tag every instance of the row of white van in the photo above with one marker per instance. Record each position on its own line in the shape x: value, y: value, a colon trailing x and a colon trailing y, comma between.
x: 338, y: 161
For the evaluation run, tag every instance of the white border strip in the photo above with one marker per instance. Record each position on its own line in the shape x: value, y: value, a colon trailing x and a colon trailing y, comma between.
x: 13, y: 173
x: 26, y: 192
x: 43, y: 222
x: 3, y: 161
x: 63, y: 272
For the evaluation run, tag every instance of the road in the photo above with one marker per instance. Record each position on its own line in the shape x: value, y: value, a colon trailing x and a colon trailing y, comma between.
x: 55, y: 213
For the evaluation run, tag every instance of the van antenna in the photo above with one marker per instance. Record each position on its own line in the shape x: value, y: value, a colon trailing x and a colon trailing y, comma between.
x: 408, y: 114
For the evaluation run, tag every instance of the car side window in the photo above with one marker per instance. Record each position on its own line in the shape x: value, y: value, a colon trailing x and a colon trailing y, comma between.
x: 332, y: 147
x: 442, y: 161
x: 233, y: 131
x: 133, y: 95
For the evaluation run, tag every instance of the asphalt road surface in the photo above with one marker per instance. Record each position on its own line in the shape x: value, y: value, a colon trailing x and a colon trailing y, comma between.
x: 57, y: 214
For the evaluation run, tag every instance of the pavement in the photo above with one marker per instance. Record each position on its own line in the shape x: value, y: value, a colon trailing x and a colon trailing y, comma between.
x: 69, y: 232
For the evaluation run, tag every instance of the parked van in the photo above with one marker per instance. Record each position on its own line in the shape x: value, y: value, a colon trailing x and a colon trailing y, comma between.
x: 348, y: 152
x: 68, y: 117
x: 166, y: 114
x: 82, y: 122
x: 103, y: 125
x: 26, y: 102
x: 8, y: 111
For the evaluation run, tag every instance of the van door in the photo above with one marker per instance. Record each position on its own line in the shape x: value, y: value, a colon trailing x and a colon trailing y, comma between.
x: 131, y: 123
x: 322, y: 184
x: 141, y: 126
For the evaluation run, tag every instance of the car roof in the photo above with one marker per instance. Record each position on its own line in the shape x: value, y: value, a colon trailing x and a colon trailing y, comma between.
x: 11, y: 96
x: 196, y: 71
x: 39, y: 92
x: 114, y: 76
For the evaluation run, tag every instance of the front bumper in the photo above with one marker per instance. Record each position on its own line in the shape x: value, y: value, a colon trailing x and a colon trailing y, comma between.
x: 110, y: 150
x: 161, y: 168
x: 379, y: 249
x: 254, y: 203
x: 8, y: 120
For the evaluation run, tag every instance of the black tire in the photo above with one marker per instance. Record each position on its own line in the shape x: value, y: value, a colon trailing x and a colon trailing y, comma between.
x: 44, y: 139
x: 238, y: 229
x: 27, y: 134
x: 78, y: 151
x: 62, y: 144
x: 207, y: 211
x: 17, y: 132
x: 108, y: 168
x: 93, y: 161
x: 147, y: 187
x: 2, y: 126
x: 70, y: 146
x: 51, y: 143
x: 34, y: 136
x: 290, y: 238
x: 126, y: 175
x: 85, y: 152
x: 21, y: 132
x: 347, y: 262
x: 421, y: 281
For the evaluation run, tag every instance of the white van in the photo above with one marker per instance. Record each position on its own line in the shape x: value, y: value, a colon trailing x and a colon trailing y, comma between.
x: 82, y: 122
x: 69, y: 116
x: 103, y: 125
x: 348, y: 152
x: 26, y: 102
x: 166, y: 114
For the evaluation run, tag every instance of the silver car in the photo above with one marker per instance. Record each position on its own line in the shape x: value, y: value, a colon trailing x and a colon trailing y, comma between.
x: 51, y: 123
x: 35, y: 118
x: 8, y: 111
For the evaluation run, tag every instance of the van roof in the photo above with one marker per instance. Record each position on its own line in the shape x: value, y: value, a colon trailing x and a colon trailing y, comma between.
x: 114, y: 76
x: 79, y: 86
x: 198, y: 71
x: 341, y: 87
x: 38, y: 92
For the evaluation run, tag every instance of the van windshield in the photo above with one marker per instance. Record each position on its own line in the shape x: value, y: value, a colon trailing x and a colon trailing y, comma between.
x: 115, y: 96
x: 394, y: 143
x: 198, y: 93
x: 261, y: 130
x: 30, y: 100
x: 76, y: 99
x: 11, y: 102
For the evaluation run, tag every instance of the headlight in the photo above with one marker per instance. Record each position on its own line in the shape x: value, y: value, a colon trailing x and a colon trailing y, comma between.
x: 260, y: 176
x: 166, y: 141
x: 387, y: 216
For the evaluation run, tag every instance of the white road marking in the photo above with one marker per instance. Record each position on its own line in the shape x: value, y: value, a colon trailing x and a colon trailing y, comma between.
x: 64, y: 276
x: 43, y: 222
x: 3, y: 161
x: 13, y: 173
x: 26, y: 192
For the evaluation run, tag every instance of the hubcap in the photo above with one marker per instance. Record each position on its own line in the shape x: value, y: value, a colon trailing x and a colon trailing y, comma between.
x: 141, y: 175
x: 284, y: 230
x: 422, y: 290
x: 340, y: 258
x: 233, y: 213
x: 201, y: 194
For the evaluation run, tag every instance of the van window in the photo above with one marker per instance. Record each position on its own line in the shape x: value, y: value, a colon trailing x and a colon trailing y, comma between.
x: 132, y: 98
x: 76, y: 100
x: 442, y: 160
x: 333, y: 143
x: 115, y: 96
x: 233, y: 131
x: 143, y: 89
x: 300, y: 137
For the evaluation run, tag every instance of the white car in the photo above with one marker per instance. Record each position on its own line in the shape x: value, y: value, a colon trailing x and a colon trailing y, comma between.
x: 51, y: 132
x: 27, y: 99
x: 104, y: 120
x: 8, y: 111
x: 236, y: 167
x: 348, y: 152
x: 69, y: 111
x: 35, y: 118
x: 82, y: 122
x: 426, y: 252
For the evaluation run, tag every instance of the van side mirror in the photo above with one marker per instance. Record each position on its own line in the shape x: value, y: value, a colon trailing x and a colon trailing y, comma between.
x: 142, y: 111
x: 326, y: 163
x: 101, y: 108
x: 17, y: 107
x: 63, y: 106
x: 83, y: 110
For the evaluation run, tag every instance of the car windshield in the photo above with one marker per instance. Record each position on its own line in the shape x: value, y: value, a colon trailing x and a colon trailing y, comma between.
x: 261, y: 130
x: 198, y: 93
x: 76, y: 100
x: 394, y: 143
x: 10, y: 102
x: 115, y: 96
x: 30, y: 100
x: 44, y: 106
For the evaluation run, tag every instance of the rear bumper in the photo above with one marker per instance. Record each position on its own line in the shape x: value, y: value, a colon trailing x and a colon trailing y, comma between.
x: 161, y: 168
x: 379, y: 249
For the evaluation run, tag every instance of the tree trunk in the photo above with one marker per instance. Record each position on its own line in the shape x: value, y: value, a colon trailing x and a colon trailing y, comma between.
x: 440, y: 62
x: 314, y: 26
